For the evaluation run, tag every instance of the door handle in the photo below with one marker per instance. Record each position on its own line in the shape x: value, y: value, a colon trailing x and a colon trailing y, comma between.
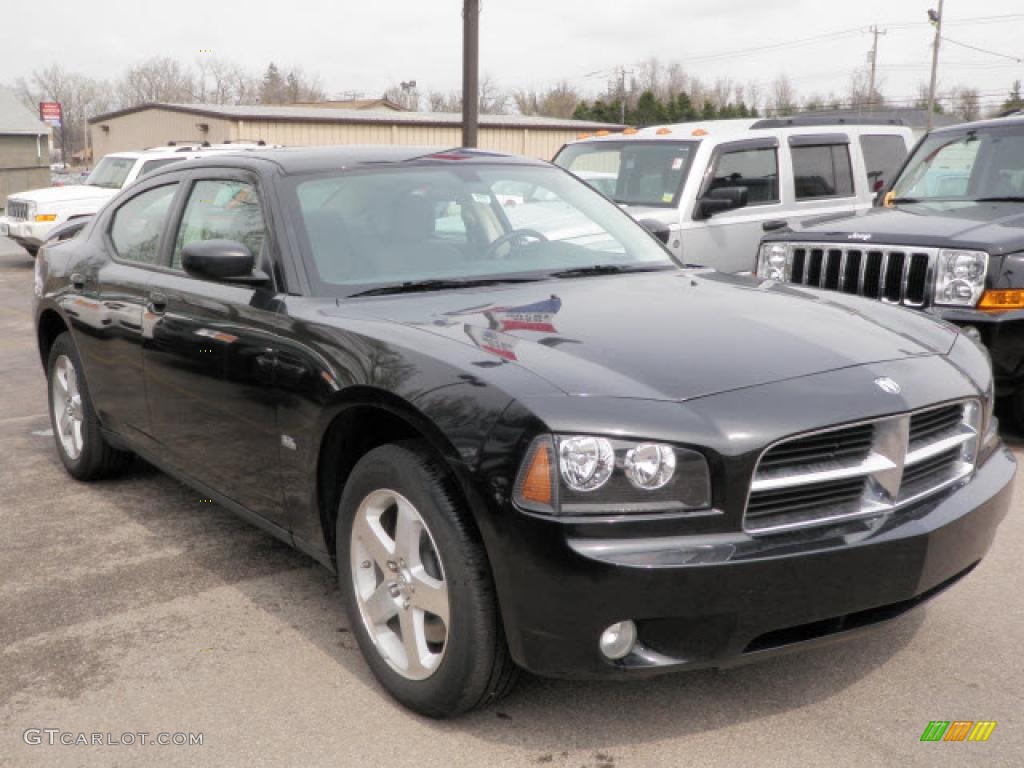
x: 157, y: 301
x: 77, y: 280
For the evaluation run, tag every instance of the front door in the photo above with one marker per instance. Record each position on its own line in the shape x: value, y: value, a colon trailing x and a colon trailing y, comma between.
x: 210, y: 356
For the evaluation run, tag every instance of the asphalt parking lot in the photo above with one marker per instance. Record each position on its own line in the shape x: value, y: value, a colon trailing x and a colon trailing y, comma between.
x: 133, y: 606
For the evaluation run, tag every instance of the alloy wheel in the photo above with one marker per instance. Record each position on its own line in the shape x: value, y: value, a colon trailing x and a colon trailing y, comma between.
x: 66, y: 402
x: 399, y: 584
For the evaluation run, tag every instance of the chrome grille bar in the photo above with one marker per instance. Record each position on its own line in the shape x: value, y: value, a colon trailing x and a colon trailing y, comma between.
x: 910, y: 456
x: 878, y: 276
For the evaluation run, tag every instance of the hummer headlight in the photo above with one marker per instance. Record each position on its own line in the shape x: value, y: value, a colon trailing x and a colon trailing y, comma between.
x: 773, y: 262
x: 960, y: 277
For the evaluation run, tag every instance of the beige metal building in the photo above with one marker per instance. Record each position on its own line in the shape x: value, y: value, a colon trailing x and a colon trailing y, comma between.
x: 151, y: 125
x: 24, y: 148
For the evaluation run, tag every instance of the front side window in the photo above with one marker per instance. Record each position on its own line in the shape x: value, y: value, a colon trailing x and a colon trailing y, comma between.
x: 883, y: 156
x: 136, y: 226
x: 221, y: 210
x: 649, y: 173
x: 755, y: 169
x: 822, y: 171
x: 972, y: 165
x: 111, y: 172
x: 380, y: 227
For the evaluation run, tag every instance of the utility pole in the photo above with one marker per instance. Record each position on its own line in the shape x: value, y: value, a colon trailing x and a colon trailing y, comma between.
x: 622, y: 95
x: 470, y: 71
x: 874, y: 64
x: 936, y: 19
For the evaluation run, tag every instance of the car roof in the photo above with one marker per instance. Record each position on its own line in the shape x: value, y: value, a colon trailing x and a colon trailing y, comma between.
x: 746, y: 128
x: 993, y: 122
x: 311, y: 159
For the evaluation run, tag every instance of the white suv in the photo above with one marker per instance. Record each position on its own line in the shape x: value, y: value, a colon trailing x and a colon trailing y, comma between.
x: 31, y: 215
x: 710, y: 190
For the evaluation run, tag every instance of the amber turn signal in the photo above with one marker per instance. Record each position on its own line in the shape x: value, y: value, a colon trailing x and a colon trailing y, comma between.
x: 536, y: 486
x: 1001, y: 300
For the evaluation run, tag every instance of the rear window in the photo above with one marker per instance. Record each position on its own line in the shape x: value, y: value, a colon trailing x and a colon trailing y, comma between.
x: 152, y: 165
x: 649, y: 173
x: 883, y: 156
x: 822, y: 171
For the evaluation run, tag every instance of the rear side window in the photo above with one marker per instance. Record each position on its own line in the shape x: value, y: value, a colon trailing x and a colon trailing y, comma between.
x: 221, y: 210
x: 822, y: 171
x: 883, y: 156
x: 136, y: 227
x: 755, y: 169
x: 152, y: 165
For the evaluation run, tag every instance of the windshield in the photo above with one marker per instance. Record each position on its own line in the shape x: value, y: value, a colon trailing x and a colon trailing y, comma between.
x: 632, y: 172
x: 466, y: 222
x: 977, y: 164
x: 111, y: 172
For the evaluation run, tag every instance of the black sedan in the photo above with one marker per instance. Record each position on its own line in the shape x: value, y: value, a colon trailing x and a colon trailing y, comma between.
x: 521, y: 434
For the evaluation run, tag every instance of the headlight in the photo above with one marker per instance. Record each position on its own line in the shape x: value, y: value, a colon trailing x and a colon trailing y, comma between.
x: 773, y: 262
x: 960, y: 277
x: 589, y: 475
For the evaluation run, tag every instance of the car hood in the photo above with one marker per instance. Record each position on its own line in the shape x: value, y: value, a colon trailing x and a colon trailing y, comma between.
x: 66, y: 194
x: 663, y: 336
x: 994, y: 227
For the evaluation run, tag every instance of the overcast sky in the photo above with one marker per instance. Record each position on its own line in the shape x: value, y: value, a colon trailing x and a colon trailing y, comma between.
x: 368, y: 45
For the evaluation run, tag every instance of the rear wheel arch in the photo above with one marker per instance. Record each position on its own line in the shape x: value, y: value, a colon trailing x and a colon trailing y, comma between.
x: 366, y: 421
x: 51, y: 325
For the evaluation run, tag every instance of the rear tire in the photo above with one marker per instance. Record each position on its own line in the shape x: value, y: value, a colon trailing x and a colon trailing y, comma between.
x: 76, y: 430
x: 409, y: 559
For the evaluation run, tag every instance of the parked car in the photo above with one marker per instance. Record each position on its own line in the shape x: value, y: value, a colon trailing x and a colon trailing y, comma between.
x: 948, y: 243
x: 711, y: 189
x: 33, y: 213
x: 517, y: 450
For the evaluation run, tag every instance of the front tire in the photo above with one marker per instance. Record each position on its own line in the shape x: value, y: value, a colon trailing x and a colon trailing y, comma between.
x: 84, y: 452
x: 417, y: 587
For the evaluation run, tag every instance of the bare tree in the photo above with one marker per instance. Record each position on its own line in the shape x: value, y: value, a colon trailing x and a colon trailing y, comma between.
x: 558, y: 101
x: 223, y: 82
x: 439, y: 101
x: 782, y: 99
x: 406, y: 95
x: 493, y: 100
x: 966, y: 103
x: 80, y: 96
x: 160, y: 79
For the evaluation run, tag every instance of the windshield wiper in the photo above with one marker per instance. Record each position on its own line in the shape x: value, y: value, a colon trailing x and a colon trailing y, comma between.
x: 1000, y: 199
x: 606, y: 269
x: 907, y: 200
x: 419, y: 286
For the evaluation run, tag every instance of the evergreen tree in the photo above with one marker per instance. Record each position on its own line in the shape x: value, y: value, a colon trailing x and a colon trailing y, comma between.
x: 710, y: 112
x: 1014, y: 100
x: 649, y: 110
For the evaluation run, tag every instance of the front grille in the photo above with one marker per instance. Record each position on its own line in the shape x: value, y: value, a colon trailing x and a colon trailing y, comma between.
x: 17, y: 209
x: 892, y: 274
x: 861, y: 470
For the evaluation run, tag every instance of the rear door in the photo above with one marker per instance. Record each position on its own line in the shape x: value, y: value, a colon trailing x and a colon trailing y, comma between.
x: 108, y: 312
x: 211, y: 357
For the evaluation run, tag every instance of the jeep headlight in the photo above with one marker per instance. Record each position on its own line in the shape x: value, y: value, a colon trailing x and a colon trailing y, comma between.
x: 591, y: 475
x: 960, y: 277
x: 773, y: 262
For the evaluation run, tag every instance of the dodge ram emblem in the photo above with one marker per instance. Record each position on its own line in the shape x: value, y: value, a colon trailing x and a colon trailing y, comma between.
x: 888, y: 385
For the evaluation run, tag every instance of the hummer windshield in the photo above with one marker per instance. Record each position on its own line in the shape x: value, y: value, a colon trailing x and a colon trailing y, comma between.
x: 111, y: 172
x: 632, y: 172
x: 968, y: 165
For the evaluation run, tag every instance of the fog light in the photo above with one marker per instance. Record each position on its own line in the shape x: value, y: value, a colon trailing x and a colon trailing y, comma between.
x: 971, y: 333
x: 618, y: 640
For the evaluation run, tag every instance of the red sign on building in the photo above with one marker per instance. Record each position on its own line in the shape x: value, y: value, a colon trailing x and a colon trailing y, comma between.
x: 50, y: 112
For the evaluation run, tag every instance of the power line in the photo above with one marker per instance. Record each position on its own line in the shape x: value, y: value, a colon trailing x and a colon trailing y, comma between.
x: 983, y: 50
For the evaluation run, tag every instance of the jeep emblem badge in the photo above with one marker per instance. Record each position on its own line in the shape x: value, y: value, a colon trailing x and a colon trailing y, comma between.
x: 859, y: 236
x: 888, y: 385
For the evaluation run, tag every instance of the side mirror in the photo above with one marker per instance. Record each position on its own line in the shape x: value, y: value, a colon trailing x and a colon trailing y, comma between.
x: 720, y: 200
x: 226, y: 260
x: 657, y: 228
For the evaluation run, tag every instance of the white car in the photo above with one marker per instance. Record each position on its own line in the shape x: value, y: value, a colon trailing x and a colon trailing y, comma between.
x: 32, y: 214
x: 710, y: 190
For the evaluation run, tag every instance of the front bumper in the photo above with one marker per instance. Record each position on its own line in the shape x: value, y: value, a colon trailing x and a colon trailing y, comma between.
x: 721, y: 599
x: 1002, y: 333
x: 25, y: 232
